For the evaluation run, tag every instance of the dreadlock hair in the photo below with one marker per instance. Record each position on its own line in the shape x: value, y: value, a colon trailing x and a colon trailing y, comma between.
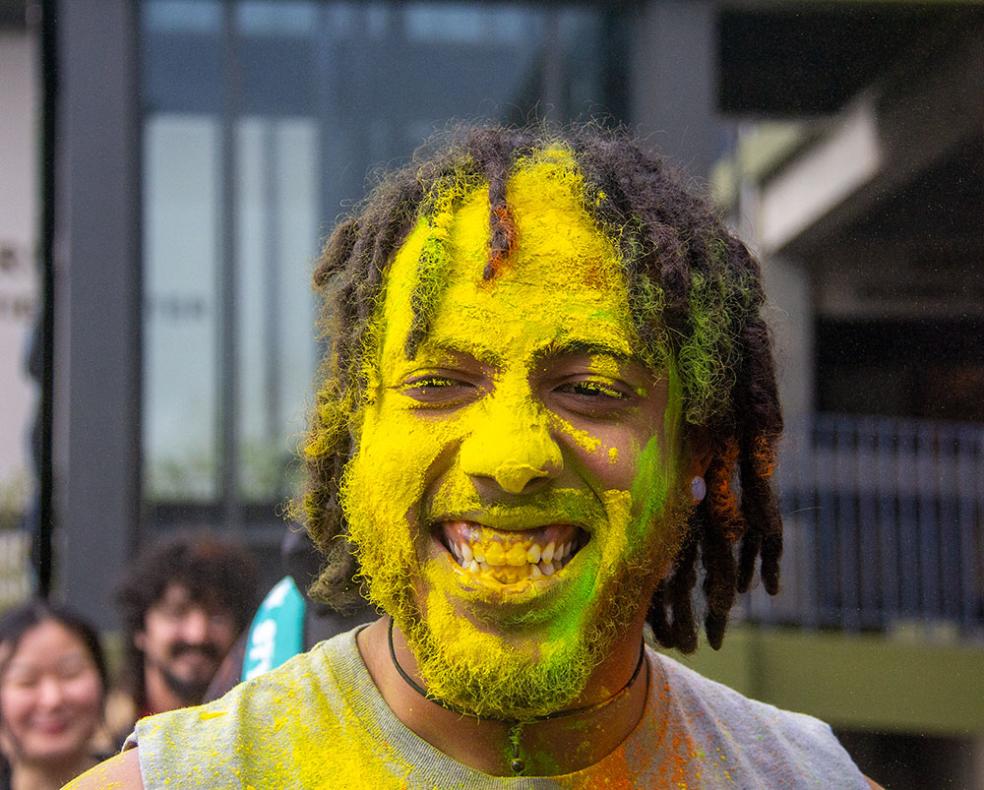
x: 695, y: 295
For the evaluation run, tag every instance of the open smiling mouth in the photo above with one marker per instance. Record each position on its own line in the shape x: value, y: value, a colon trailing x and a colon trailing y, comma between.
x: 506, y: 557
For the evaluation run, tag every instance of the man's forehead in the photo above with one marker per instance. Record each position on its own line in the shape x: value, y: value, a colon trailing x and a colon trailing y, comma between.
x: 562, y: 285
x: 495, y: 350
x: 175, y: 592
x: 554, y: 234
x: 179, y: 593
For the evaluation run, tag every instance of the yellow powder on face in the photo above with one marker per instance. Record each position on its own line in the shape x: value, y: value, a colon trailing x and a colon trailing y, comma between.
x: 582, y: 437
x: 563, y: 284
x: 605, y: 366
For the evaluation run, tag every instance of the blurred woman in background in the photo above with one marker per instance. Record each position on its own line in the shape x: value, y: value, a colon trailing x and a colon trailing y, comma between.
x: 52, y: 690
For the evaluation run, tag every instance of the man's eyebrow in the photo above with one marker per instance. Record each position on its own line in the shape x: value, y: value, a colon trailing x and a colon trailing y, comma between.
x: 586, y: 348
x: 484, y: 356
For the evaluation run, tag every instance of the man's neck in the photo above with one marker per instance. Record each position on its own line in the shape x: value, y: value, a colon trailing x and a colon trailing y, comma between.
x: 548, y: 747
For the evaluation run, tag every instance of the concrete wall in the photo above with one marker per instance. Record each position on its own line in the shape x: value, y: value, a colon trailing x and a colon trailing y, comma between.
x: 97, y: 300
x: 672, y: 100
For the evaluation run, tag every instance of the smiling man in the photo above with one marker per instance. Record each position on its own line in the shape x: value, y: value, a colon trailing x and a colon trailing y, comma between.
x: 549, y: 396
x: 182, y: 604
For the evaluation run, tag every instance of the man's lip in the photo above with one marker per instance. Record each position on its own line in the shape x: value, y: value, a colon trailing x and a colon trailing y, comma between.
x: 498, y: 557
x: 196, y: 658
x: 508, y: 521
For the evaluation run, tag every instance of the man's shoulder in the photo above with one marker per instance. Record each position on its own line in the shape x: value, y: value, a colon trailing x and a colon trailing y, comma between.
x: 255, y: 725
x: 302, y: 677
x: 697, y: 696
x: 122, y: 772
x: 754, y: 738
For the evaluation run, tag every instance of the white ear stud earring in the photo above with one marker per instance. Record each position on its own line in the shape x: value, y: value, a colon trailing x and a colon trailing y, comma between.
x: 698, y: 489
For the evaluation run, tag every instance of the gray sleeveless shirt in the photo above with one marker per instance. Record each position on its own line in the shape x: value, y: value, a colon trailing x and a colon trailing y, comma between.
x: 319, y: 721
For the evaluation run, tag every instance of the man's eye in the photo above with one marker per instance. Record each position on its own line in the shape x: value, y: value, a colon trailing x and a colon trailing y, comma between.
x: 221, y: 620
x: 437, y: 390
x: 593, y: 398
x: 594, y: 389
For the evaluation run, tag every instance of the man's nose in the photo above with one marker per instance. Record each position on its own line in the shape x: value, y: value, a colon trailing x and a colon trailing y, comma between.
x: 194, y: 626
x: 512, y: 445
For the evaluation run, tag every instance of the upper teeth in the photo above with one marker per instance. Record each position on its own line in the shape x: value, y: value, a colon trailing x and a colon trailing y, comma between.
x: 518, y: 554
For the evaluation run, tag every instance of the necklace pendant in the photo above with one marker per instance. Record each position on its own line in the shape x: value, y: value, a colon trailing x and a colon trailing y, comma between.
x: 517, y: 763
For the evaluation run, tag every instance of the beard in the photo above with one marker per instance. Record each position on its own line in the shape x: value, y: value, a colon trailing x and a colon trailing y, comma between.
x: 490, y: 678
x: 516, y: 673
x: 191, y: 690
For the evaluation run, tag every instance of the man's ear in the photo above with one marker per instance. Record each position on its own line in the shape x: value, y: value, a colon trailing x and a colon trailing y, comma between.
x: 140, y: 641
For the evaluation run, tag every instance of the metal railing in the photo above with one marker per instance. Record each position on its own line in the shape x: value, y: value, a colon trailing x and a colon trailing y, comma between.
x: 884, y: 525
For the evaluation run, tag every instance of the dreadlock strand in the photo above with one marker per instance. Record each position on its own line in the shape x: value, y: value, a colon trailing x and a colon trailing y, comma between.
x: 757, y: 397
x: 747, y: 555
x: 683, y: 627
x: 496, y: 157
x: 717, y: 557
x: 336, y: 252
x: 771, y: 554
x: 722, y: 501
x: 657, y: 616
x: 503, y: 231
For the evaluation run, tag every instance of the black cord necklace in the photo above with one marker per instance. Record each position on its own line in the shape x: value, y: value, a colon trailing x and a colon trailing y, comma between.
x: 517, y: 763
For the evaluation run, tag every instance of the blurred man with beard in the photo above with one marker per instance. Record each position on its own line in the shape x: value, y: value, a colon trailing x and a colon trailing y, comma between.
x: 549, y: 398
x: 183, y: 604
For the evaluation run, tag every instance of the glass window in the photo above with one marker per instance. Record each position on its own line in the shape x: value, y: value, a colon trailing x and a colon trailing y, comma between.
x: 180, y: 308
x: 183, y: 15
x: 282, y: 17
x: 277, y: 199
x: 261, y: 122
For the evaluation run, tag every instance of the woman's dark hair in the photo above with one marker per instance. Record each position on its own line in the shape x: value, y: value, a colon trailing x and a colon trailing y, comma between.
x: 17, y: 622
x: 695, y: 294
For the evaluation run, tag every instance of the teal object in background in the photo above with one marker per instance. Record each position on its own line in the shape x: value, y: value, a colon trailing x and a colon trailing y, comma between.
x: 277, y: 631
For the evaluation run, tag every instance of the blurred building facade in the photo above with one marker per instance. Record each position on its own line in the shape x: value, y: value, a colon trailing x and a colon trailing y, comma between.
x: 858, y: 173
x: 203, y: 148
